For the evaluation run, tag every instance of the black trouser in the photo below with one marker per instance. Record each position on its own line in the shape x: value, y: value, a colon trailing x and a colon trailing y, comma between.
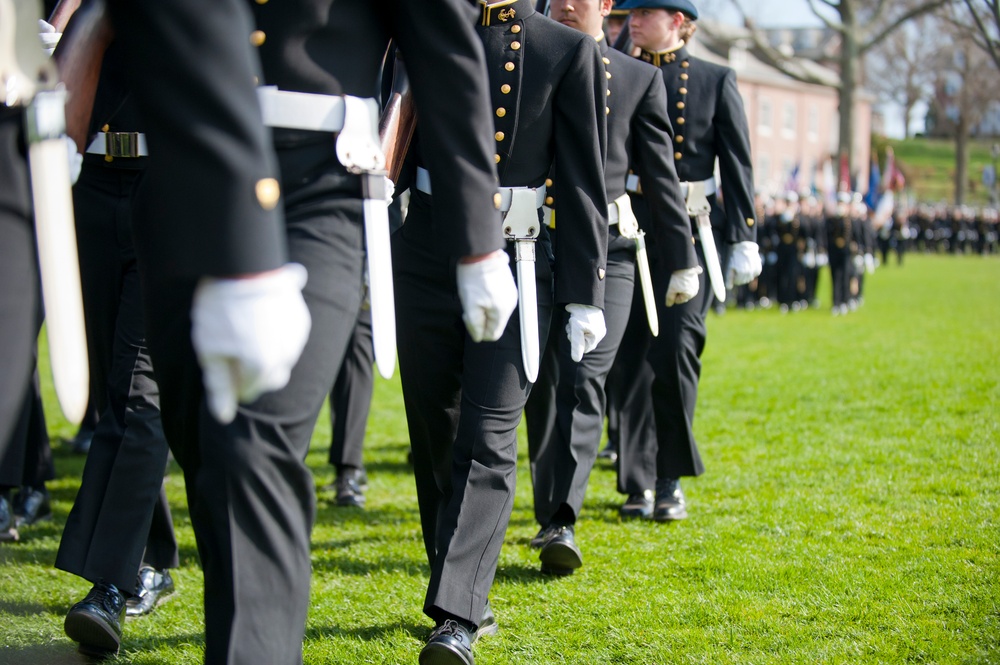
x: 351, y: 397
x: 572, y: 406
x: 463, y: 403
x: 631, y: 398
x: 250, y: 494
x: 788, y: 274
x: 109, y: 526
x: 675, y: 356
x: 28, y: 460
x: 840, y: 275
x: 19, y: 288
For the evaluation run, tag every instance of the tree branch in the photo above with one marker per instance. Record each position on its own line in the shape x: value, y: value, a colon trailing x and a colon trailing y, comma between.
x: 775, y: 58
x: 912, y: 13
x: 837, y: 27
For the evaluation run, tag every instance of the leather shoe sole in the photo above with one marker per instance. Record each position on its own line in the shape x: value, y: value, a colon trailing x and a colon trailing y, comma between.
x: 560, y: 558
x: 93, y: 634
x: 441, y: 653
x: 670, y: 514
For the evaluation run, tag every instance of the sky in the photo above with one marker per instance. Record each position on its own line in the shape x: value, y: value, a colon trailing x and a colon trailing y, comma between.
x: 767, y: 13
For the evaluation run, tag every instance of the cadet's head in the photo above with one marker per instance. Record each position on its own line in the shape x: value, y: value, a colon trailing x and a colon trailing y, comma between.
x: 657, y: 25
x: 615, y: 22
x: 584, y: 15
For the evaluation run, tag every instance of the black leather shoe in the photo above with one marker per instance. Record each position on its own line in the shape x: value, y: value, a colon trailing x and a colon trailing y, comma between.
x: 540, y: 538
x: 31, y: 506
x: 609, y: 452
x: 350, y: 487
x: 488, y: 624
x: 96, y: 621
x: 154, y: 586
x: 8, y: 532
x: 560, y: 555
x: 670, y: 505
x: 638, y: 506
x: 449, y: 644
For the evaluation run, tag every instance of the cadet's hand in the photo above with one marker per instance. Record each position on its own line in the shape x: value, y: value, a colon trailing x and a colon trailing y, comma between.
x: 248, y: 334
x: 50, y: 38
x: 488, y: 294
x: 744, y: 264
x: 585, y: 329
x: 683, y: 286
x: 869, y: 263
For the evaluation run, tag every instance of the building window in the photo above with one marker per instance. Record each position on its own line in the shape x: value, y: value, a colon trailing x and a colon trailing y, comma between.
x: 813, y: 130
x: 788, y: 120
x: 765, y: 122
x: 762, y: 174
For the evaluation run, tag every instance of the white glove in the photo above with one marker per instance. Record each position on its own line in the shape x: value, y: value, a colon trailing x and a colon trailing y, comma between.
x: 744, y: 264
x: 75, y: 160
x: 585, y: 329
x: 488, y: 294
x: 248, y: 334
x: 50, y: 38
x: 869, y: 264
x: 683, y: 286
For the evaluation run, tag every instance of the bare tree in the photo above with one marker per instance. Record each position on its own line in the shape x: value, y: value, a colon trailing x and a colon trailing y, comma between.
x: 900, y: 68
x: 985, y: 16
x: 965, y: 91
x: 861, y: 25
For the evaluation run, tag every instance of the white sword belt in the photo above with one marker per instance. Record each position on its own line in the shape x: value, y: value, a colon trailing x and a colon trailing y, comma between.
x: 353, y: 119
x: 301, y: 110
x: 119, y: 144
x: 632, y: 185
x: 506, y: 193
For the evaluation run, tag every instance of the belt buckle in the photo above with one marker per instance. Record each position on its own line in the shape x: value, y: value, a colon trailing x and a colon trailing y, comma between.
x: 121, y: 144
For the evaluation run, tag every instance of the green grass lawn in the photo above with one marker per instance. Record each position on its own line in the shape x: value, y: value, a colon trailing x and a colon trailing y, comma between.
x: 929, y: 165
x: 850, y: 514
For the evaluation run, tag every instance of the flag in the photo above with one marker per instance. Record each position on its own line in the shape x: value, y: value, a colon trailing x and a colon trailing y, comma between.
x: 894, y: 180
x: 874, y: 182
x: 845, y: 175
x: 792, y: 184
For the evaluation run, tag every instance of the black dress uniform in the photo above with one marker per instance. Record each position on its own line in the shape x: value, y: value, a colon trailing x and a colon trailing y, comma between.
x: 840, y: 232
x: 19, y: 286
x: 20, y: 299
x: 112, y: 520
x: 250, y: 493
x: 205, y: 209
x: 639, y: 136
x: 706, y: 111
x: 463, y: 399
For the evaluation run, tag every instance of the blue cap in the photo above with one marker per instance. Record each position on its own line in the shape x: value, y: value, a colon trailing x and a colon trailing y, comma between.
x: 685, y: 6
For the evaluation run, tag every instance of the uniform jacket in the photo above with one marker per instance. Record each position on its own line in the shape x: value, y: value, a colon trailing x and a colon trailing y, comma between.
x: 336, y: 47
x: 547, y: 84
x: 709, y: 122
x: 639, y: 139
x: 211, y: 163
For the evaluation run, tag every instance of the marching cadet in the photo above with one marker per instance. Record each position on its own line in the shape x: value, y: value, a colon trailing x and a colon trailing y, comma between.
x: 250, y: 493
x: 707, y: 114
x: 350, y: 403
x: 839, y: 232
x: 464, y: 399
x: 789, y: 235
x: 19, y: 285
x: 640, y: 135
x: 119, y: 534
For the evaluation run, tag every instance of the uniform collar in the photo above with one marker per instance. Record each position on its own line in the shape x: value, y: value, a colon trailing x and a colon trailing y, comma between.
x: 658, y: 58
x: 504, y: 12
x: 602, y: 44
